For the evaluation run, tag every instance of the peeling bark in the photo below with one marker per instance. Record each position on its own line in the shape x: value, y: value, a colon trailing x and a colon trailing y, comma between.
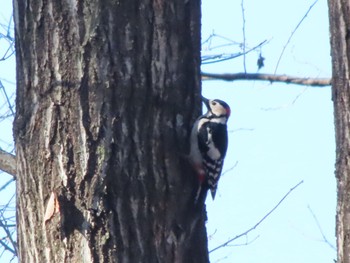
x: 339, y: 14
x: 107, y: 92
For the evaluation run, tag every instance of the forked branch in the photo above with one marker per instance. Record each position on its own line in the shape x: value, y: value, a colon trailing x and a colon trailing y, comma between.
x: 259, y: 222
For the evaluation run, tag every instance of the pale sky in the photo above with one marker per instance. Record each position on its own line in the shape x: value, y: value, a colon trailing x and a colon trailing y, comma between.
x: 282, y: 134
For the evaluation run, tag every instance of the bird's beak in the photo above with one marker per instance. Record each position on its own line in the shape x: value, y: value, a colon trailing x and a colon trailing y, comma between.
x: 206, y: 102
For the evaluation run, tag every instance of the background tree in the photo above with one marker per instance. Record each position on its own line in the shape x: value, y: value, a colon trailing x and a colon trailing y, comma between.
x: 339, y: 14
x: 105, y: 100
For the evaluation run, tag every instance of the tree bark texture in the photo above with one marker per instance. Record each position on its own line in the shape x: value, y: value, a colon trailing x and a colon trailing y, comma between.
x: 339, y: 15
x: 107, y: 93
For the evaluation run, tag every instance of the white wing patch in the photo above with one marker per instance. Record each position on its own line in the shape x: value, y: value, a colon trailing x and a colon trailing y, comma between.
x: 213, y: 152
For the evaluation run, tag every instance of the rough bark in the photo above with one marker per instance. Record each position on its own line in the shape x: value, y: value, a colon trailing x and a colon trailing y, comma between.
x: 339, y: 14
x: 107, y: 91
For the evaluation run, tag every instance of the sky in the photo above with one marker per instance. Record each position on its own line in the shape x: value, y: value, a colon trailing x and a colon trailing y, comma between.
x: 279, y: 134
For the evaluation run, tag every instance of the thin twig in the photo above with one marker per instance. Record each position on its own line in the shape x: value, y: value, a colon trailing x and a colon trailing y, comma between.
x: 7, y: 98
x: 9, y: 236
x: 9, y: 29
x: 6, y: 208
x: 230, y: 169
x: 241, y: 129
x: 6, y: 247
x: 320, y: 229
x: 224, y: 57
x: 211, y: 37
x: 243, y: 31
x: 246, y: 243
x: 6, y: 184
x: 285, y: 105
x: 292, y: 34
x: 260, y: 221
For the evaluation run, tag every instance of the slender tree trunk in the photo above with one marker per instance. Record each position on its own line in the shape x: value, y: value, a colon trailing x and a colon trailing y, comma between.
x: 339, y: 14
x: 107, y: 92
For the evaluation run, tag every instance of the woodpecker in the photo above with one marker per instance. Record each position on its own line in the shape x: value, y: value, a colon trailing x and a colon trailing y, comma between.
x: 209, y: 144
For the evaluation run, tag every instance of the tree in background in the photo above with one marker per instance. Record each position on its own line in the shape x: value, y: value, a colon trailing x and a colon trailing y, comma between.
x: 339, y: 14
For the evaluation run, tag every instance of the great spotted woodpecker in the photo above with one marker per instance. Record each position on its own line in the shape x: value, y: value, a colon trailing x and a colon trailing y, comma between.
x: 209, y: 144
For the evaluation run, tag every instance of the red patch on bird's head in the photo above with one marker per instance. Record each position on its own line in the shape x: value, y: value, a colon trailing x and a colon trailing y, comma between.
x: 224, y: 105
x: 228, y: 111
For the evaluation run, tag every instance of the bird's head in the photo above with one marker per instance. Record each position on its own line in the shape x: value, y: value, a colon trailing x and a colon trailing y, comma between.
x: 217, y: 107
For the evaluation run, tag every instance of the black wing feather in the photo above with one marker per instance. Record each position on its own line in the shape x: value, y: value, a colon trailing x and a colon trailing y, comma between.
x: 218, y: 134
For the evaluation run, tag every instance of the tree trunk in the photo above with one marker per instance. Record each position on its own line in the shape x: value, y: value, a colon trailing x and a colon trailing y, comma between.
x: 339, y: 15
x: 107, y: 92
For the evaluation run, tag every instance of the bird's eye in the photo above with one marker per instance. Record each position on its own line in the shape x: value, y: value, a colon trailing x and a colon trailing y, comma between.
x: 213, y: 103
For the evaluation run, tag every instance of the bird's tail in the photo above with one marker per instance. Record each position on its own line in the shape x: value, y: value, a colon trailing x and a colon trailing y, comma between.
x: 213, y: 192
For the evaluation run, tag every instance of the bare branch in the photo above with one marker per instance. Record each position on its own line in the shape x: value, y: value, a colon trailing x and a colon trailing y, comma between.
x: 6, y: 247
x: 230, y: 169
x: 8, y: 241
x: 246, y: 243
x: 7, y: 184
x: 8, y: 163
x: 260, y: 221
x: 209, y: 40
x: 243, y: 31
x: 320, y: 229
x: 7, y: 98
x: 292, y: 34
x: 285, y: 105
x: 314, y: 82
x: 9, y: 237
x: 241, y: 129
x: 210, y: 59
